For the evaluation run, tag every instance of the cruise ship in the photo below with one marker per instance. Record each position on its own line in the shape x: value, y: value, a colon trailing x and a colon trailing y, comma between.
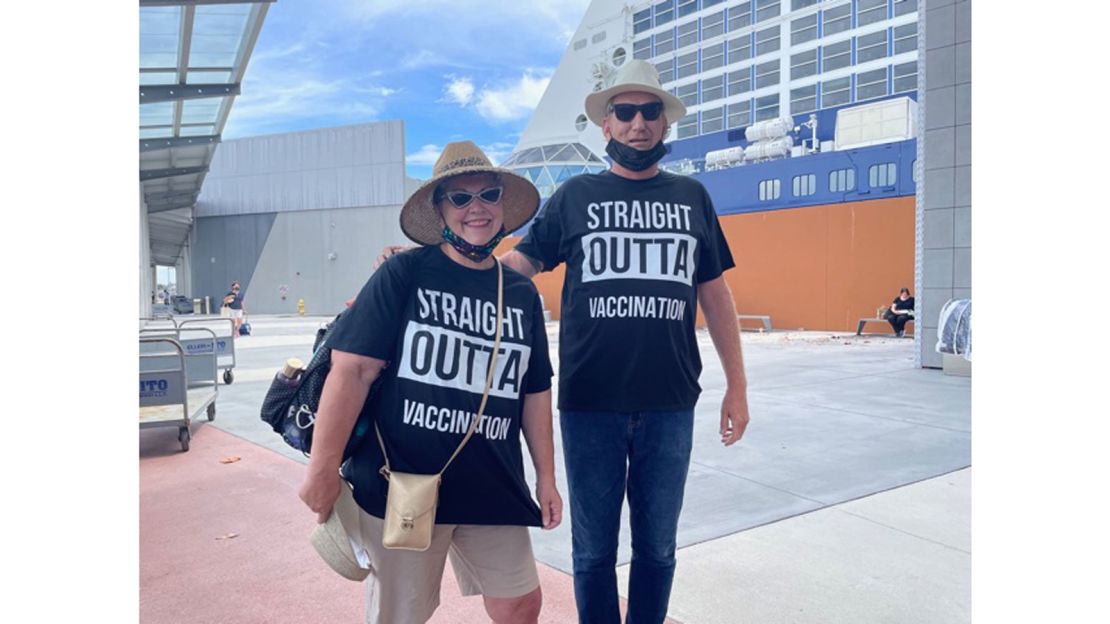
x: 801, y: 123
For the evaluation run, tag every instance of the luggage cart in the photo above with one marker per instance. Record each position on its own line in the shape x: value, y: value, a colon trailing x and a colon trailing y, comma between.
x: 225, y: 345
x: 195, y: 341
x: 174, y: 386
x: 156, y: 322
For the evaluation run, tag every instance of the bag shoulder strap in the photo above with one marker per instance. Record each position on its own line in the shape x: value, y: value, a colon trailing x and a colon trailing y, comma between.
x: 386, y: 470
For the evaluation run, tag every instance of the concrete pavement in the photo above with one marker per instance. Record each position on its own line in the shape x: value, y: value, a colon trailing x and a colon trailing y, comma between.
x: 847, y: 501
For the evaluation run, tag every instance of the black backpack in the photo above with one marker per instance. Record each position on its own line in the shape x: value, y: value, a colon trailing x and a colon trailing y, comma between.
x: 290, y: 405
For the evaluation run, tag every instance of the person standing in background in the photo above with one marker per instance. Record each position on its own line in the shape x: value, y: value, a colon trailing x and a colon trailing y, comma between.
x: 234, y: 301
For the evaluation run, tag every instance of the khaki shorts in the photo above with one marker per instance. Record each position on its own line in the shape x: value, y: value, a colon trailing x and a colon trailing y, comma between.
x: 403, y: 587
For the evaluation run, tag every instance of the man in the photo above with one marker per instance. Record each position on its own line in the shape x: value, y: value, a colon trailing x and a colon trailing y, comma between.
x: 642, y: 247
x: 234, y: 301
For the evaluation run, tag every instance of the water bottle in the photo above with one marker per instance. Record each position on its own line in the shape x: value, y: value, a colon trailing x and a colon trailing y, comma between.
x: 290, y: 373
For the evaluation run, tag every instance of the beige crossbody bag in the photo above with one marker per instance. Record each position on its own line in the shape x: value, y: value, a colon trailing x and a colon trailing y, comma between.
x: 410, y: 503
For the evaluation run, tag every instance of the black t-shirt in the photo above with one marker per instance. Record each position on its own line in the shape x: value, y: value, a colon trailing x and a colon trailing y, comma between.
x: 902, y: 305
x: 635, y: 252
x: 434, y: 320
x: 236, y: 302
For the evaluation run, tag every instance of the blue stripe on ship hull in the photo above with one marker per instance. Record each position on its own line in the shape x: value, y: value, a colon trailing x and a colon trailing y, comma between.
x: 736, y: 190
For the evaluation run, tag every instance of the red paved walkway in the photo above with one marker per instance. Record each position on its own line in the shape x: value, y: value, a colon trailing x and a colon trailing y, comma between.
x: 191, y: 571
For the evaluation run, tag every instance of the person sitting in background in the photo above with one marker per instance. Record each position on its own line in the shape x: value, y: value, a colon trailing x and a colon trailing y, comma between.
x: 900, y: 312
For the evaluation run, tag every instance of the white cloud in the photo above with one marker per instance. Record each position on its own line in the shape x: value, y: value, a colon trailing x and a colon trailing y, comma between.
x: 294, y: 49
x: 382, y: 92
x: 428, y: 154
x: 349, y: 64
x: 292, y: 85
x: 460, y: 90
x: 377, y: 9
x: 422, y: 59
x: 270, y: 99
x: 517, y: 24
x: 498, y: 151
x: 514, y: 101
x: 509, y: 102
x: 266, y: 99
x: 560, y: 12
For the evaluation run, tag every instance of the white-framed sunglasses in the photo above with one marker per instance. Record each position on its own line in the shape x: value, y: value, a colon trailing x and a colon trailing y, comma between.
x: 461, y: 199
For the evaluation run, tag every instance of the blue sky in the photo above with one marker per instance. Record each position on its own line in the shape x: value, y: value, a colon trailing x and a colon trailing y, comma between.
x: 451, y: 70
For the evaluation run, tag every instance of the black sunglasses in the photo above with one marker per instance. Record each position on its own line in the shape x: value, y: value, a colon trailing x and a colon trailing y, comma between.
x: 462, y: 199
x: 627, y: 112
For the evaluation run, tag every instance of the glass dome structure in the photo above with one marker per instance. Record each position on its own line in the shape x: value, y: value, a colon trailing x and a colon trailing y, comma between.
x: 548, y: 166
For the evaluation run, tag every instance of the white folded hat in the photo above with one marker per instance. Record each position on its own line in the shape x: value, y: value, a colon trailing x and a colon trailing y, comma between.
x: 332, y: 541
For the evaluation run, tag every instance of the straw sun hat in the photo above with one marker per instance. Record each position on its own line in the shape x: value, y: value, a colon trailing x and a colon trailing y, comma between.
x: 634, y: 76
x: 420, y: 220
x: 331, y: 541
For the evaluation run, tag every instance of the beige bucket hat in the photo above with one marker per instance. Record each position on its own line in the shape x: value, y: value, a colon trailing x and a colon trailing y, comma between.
x: 420, y: 220
x: 634, y: 76
x: 332, y: 542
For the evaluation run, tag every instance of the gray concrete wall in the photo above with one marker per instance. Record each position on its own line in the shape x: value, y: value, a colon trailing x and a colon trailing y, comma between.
x: 300, y: 215
x: 944, y: 160
x: 327, y: 168
x: 225, y: 249
x: 146, y: 270
x: 321, y: 256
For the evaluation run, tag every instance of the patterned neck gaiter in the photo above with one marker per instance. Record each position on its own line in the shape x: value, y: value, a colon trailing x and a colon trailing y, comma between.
x: 477, y: 253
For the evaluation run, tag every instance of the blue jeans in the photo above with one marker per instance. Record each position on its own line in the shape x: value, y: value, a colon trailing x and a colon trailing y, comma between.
x: 646, y: 454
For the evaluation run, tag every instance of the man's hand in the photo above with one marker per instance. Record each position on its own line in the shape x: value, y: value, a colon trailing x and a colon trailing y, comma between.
x: 525, y: 265
x: 716, y: 302
x: 734, y: 416
x: 389, y: 251
x: 319, y: 492
x: 551, y: 504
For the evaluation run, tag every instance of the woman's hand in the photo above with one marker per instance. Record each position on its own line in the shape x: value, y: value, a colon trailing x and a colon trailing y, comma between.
x: 319, y: 492
x: 551, y: 504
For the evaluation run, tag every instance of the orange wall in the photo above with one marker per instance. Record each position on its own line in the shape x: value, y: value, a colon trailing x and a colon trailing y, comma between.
x: 817, y: 268
x: 823, y: 267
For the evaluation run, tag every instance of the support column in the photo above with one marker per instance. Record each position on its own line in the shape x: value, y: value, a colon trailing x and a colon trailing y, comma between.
x: 943, y: 252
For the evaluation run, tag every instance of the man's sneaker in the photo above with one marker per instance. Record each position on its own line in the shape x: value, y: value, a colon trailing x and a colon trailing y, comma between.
x: 899, y: 334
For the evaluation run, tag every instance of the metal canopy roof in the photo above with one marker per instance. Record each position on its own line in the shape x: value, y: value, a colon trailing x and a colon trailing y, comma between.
x: 192, y: 57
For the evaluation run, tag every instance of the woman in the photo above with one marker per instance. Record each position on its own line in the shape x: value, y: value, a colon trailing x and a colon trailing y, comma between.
x: 234, y: 302
x: 900, y: 312
x: 426, y: 323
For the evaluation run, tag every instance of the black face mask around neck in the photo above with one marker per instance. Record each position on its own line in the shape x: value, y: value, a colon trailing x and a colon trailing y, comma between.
x: 632, y: 158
